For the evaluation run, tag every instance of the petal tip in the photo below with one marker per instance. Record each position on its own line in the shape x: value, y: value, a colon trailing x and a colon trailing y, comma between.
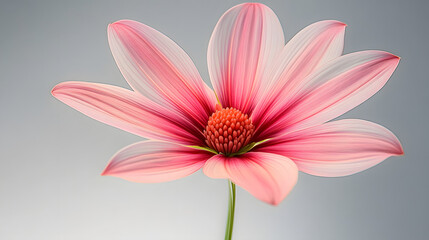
x: 253, y: 4
x: 398, y: 151
x: 106, y: 171
x: 339, y: 23
x: 393, y: 56
x: 115, y: 26
x: 119, y: 22
x: 61, y: 88
x: 384, y: 54
x: 275, y: 202
x: 332, y: 23
x: 383, y: 57
x: 55, y: 91
x: 395, y: 59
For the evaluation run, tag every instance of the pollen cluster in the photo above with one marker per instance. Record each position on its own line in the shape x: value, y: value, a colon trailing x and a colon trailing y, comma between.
x: 228, y: 130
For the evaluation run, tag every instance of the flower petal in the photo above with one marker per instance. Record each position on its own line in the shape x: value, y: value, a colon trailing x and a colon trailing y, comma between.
x: 152, y: 161
x: 337, y: 148
x: 158, y: 68
x: 269, y: 177
x: 127, y: 110
x: 331, y: 91
x: 311, y: 48
x: 243, y: 45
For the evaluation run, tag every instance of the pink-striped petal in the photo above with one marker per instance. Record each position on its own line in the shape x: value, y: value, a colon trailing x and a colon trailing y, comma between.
x: 243, y: 45
x: 311, y: 48
x: 158, y: 68
x: 152, y: 161
x: 269, y: 177
x: 337, y: 148
x: 332, y: 90
x: 127, y: 110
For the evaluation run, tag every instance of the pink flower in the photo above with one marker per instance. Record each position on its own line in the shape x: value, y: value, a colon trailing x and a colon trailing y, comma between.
x: 276, y: 102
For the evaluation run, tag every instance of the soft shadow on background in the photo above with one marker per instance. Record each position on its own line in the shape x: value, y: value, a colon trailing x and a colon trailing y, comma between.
x: 52, y: 156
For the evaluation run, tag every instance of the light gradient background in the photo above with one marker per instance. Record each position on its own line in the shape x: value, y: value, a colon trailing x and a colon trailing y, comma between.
x: 52, y: 155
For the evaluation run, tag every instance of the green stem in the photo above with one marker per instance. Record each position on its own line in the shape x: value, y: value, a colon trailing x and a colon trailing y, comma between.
x: 231, y: 210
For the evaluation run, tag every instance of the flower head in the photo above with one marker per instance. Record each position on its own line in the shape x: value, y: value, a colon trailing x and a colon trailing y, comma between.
x: 228, y: 130
x: 276, y: 101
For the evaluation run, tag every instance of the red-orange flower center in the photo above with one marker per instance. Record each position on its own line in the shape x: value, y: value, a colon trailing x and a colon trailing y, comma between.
x: 228, y: 130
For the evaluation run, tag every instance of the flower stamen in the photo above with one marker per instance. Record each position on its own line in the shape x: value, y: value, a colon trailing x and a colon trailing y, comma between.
x: 228, y: 130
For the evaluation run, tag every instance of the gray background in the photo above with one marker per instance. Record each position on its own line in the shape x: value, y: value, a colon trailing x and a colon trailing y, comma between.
x: 52, y: 156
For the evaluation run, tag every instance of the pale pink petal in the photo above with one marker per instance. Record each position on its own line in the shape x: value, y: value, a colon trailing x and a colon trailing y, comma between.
x: 158, y: 68
x: 127, y: 110
x: 243, y: 45
x: 269, y: 177
x: 332, y: 90
x: 311, y: 48
x: 152, y: 161
x: 337, y: 148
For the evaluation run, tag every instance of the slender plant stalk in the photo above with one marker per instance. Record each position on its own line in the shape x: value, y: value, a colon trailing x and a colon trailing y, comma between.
x: 231, y: 210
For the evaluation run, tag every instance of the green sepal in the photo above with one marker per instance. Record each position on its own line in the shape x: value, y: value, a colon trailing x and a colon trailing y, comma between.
x: 243, y: 150
x: 247, y: 148
x: 204, y: 148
